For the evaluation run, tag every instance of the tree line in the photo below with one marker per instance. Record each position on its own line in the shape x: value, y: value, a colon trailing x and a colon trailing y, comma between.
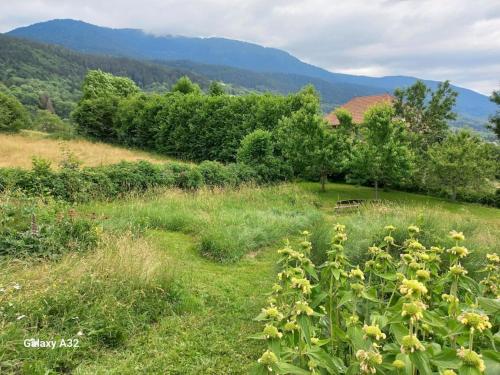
x: 406, y: 145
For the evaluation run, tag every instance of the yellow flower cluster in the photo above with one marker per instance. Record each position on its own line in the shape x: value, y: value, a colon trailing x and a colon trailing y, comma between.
x: 368, y: 360
x: 410, y: 287
x: 471, y: 358
x: 457, y: 236
x: 271, y: 332
x: 268, y: 358
x: 494, y: 258
x: 460, y: 251
x: 302, y: 307
x: 410, y: 344
x: 291, y: 325
x: 475, y: 321
x: 399, y: 364
x: 458, y: 270
x: 423, y: 275
x: 413, y: 229
x: 356, y: 273
x: 373, y: 332
x: 272, y: 312
x: 302, y: 284
x: 414, y: 310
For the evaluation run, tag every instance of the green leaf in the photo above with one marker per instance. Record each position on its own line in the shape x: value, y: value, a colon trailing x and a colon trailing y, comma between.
x: 399, y: 331
x: 345, y: 298
x: 469, y: 284
x: 323, y: 359
x: 303, y: 322
x: 355, y: 334
x: 447, y: 359
x: 492, y: 362
x: 489, y: 305
x: 288, y: 368
x: 468, y: 370
x: 370, y: 295
x: 387, y: 276
x: 421, y: 362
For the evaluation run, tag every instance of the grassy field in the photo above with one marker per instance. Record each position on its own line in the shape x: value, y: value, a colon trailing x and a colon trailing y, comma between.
x: 178, y: 276
x: 18, y: 150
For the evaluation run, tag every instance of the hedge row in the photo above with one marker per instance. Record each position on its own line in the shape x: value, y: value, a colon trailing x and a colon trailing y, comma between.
x: 74, y: 184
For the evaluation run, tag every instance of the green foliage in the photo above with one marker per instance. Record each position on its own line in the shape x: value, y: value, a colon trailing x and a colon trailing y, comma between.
x: 495, y: 120
x: 308, y: 145
x: 98, y: 84
x: 257, y: 151
x: 95, y: 118
x: 410, y: 314
x: 72, y: 183
x: 13, y: 116
x: 215, y: 174
x: 185, y: 86
x: 382, y: 155
x: 462, y: 163
x: 51, y: 123
x: 28, y: 228
x: 97, y: 301
x: 216, y: 88
x: 425, y: 111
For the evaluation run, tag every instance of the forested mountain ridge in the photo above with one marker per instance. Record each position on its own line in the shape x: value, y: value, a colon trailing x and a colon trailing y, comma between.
x: 29, y: 69
x: 134, y: 43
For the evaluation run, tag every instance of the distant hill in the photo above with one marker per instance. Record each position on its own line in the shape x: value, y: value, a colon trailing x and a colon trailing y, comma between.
x: 134, y: 43
x: 28, y: 69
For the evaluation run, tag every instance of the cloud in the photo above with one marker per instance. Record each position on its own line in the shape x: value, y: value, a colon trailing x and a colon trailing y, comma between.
x: 446, y: 39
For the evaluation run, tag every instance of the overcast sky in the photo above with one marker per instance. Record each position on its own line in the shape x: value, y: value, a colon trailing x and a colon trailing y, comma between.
x: 434, y: 39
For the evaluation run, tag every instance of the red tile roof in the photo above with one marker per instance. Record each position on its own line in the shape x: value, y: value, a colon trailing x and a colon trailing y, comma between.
x: 358, y: 106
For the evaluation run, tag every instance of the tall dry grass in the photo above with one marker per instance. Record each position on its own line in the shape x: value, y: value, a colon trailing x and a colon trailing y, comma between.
x: 17, y: 150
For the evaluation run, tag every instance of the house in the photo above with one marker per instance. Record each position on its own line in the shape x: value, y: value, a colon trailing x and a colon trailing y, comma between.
x: 358, y: 106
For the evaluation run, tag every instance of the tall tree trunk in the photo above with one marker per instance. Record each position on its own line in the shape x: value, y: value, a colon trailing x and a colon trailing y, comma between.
x: 323, y: 179
x: 453, y: 193
x: 376, y: 189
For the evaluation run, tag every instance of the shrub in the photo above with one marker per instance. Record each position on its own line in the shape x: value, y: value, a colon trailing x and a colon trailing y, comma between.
x: 409, y: 312
x: 214, y: 173
x: 189, y: 179
x: 13, y: 116
x: 257, y: 151
x: 29, y: 229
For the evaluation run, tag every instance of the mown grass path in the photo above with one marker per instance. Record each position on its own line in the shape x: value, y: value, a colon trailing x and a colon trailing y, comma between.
x: 210, y: 333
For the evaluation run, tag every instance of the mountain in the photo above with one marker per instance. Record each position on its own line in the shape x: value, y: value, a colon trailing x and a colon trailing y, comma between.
x: 29, y: 69
x: 84, y: 37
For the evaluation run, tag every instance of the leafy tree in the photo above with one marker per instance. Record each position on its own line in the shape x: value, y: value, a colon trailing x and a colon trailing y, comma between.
x: 257, y: 151
x: 49, y: 122
x: 461, y: 162
x: 216, y: 89
x: 185, y: 86
x: 308, y: 144
x: 495, y: 120
x: 95, y: 113
x: 98, y: 84
x: 13, y: 116
x: 426, y: 112
x: 95, y: 117
x: 382, y: 156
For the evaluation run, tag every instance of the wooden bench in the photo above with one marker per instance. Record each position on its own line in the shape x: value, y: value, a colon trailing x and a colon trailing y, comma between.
x: 353, y: 203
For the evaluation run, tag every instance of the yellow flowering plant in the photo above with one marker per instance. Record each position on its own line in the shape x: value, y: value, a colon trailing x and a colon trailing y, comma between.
x: 405, y: 310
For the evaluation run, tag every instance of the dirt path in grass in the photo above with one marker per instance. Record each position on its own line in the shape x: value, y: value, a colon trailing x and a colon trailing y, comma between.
x: 210, y: 333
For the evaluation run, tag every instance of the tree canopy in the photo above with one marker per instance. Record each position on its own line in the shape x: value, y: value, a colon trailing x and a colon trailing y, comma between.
x: 495, y: 120
x: 13, y: 115
x: 382, y: 155
x: 426, y: 112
